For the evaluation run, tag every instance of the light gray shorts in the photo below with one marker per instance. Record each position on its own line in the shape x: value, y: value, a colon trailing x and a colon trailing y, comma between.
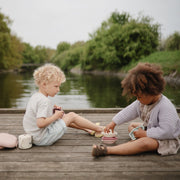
x: 54, y: 132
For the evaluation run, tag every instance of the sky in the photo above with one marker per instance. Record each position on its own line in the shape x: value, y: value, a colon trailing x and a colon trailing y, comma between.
x: 49, y: 22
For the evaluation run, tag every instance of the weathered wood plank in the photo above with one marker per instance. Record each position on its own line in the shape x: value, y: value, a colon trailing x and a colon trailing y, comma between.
x: 90, y: 110
x: 166, y: 166
x: 23, y: 156
x: 90, y: 175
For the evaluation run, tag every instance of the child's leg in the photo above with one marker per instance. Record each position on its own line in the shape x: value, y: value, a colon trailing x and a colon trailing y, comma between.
x: 72, y: 125
x: 74, y: 120
x: 134, y: 125
x: 91, y: 132
x: 134, y: 147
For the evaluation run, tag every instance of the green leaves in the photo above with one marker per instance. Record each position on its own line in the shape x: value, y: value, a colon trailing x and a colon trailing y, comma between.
x: 173, y: 42
x: 37, y: 55
x: 63, y: 46
x: 120, y: 40
x: 68, y: 56
x: 13, y: 52
x: 10, y: 46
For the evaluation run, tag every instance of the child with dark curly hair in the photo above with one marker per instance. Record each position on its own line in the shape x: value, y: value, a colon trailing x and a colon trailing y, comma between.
x: 160, y: 129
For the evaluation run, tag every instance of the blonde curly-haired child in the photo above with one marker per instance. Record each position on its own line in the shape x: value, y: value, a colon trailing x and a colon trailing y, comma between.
x: 47, y: 122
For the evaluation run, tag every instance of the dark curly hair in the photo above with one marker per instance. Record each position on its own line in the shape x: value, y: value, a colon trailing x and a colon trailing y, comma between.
x: 145, y: 78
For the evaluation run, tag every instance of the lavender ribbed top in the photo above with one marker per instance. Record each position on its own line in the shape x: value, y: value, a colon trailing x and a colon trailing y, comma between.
x: 164, y: 122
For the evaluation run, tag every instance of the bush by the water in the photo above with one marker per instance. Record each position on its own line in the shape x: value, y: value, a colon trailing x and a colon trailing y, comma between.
x: 120, y: 40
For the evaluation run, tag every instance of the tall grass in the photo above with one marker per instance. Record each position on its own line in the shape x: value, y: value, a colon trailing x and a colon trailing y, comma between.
x: 169, y: 61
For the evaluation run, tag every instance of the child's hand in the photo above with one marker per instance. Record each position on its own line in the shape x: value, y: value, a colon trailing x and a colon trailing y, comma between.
x: 59, y: 114
x: 111, y: 126
x: 57, y: 107
x: 140, y: 133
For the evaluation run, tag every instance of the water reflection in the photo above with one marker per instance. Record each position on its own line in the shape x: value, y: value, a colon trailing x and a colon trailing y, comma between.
x: 79, y: 91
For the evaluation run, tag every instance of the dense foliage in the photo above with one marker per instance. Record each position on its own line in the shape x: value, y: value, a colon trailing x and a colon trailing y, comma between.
x: 14, y: 52
x: 10, y: 46
x: 173, y: 42
x: 37, y: 55
x: 120, y: 40
x: 169, y: 61
x: 67, y: 56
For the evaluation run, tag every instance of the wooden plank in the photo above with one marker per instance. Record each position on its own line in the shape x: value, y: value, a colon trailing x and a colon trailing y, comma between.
x: 23, y: 156
x: 90, y: 110
x: 90, y: 175
x: 123, y: 166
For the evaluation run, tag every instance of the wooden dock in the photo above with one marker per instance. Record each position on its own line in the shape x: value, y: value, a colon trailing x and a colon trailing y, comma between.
x: 70, y: 157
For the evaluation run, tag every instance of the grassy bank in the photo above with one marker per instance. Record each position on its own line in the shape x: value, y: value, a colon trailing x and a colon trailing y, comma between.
x: 169, y: 61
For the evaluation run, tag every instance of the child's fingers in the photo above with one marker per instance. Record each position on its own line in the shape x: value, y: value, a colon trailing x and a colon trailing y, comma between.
x: 105, y: 129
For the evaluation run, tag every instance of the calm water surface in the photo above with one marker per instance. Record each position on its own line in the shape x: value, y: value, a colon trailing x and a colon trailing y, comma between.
x: 79, y: 91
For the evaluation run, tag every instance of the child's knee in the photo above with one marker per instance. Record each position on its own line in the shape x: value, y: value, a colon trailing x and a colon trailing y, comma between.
x: 148, y: 144
x: 69, y: 118
x: 72, y: 115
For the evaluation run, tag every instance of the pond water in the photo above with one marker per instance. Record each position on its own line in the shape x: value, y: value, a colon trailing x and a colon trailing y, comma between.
x: 78, y: 92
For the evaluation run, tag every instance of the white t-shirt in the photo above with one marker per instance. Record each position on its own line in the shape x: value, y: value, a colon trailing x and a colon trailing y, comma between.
x: 38, y: 106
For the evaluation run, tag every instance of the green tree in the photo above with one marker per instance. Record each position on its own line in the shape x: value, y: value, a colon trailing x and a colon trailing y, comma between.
x: 60, y: 53
x: 13, y: 58
x: 50, y: 53
x: 119, y: 40
x: 63, y: 46
x: 173, y: 42
x: 4, y: 38
x: 67, y: 55
x: 10, y: 46
x: 71, y: 57
x: 41, y: 54
x: 28, y: 54
x: 37, y: 55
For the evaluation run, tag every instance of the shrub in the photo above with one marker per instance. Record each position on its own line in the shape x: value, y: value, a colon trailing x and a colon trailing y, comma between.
x: 173, y: 42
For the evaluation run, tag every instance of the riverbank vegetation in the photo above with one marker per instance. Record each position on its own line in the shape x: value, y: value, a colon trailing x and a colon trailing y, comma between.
x: 117, y: 45
x: 120, y: 40
x: 14, y: 52
x: 169, y: 61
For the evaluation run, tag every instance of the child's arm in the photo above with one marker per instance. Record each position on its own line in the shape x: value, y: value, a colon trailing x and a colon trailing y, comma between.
x: 111, y: 125
x: 127, y: 114
x: 43, y: 122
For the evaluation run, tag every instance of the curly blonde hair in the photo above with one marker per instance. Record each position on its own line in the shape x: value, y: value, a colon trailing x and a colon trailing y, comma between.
x: 48, y: 73
x: 145, y: 78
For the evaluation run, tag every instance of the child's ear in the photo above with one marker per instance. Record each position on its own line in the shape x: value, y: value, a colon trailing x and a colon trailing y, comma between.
x: 44, y: 84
